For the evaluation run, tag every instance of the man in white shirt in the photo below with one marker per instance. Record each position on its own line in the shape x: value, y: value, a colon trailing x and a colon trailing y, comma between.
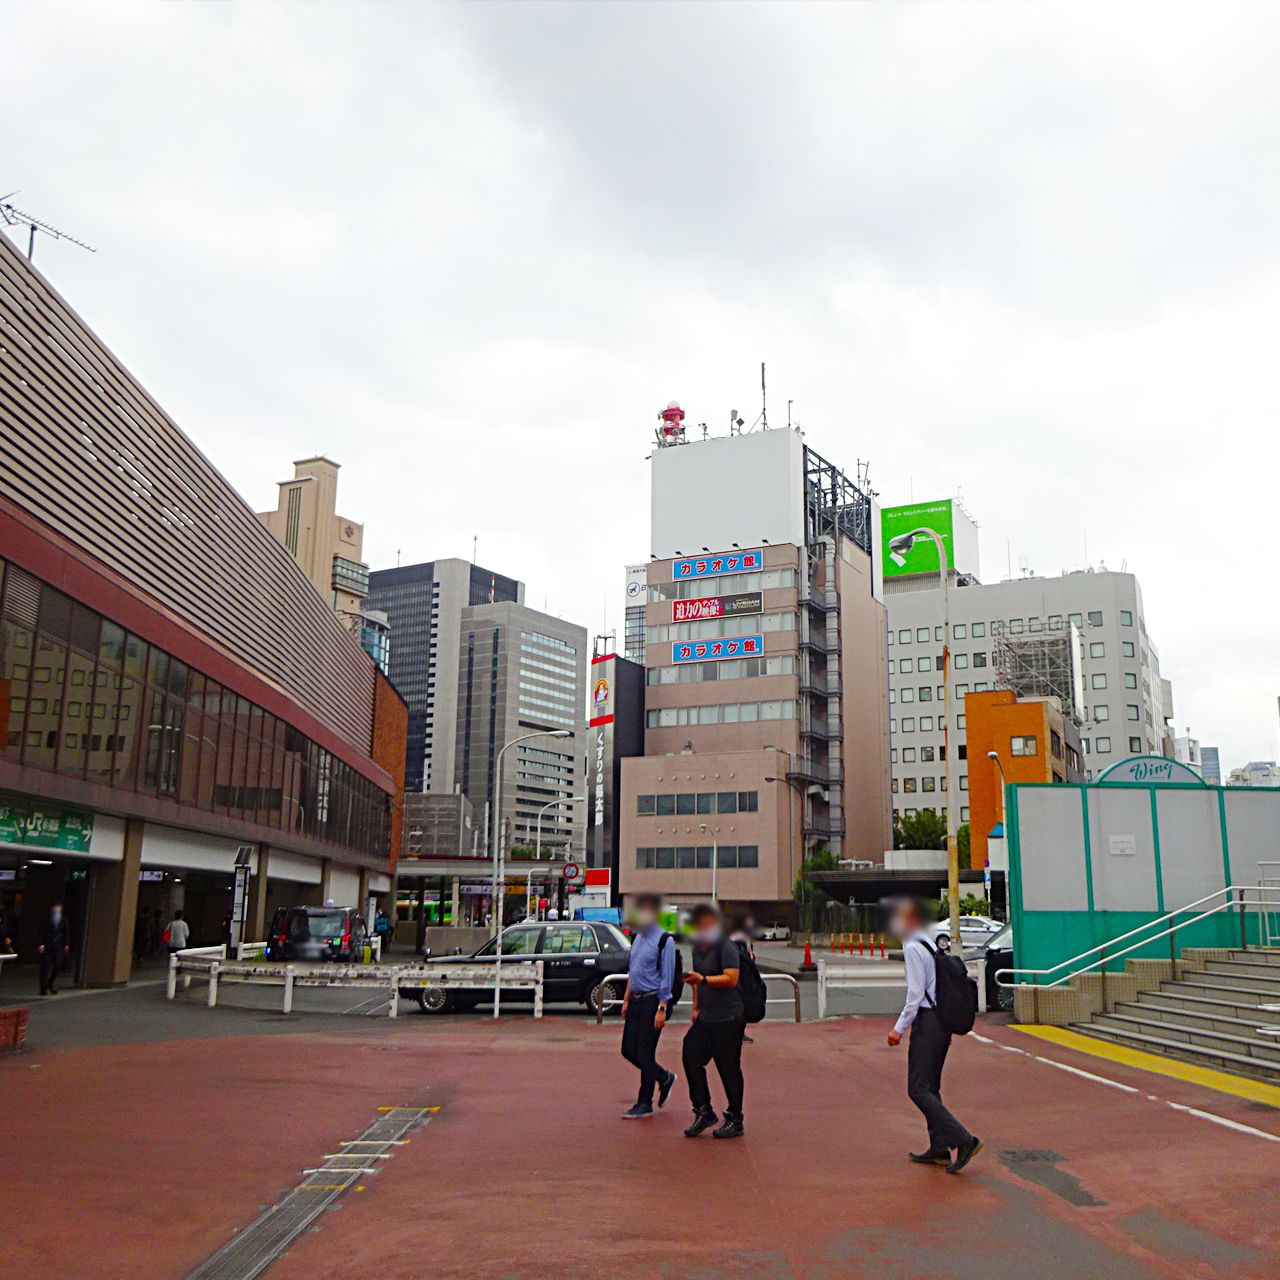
x: 179, y: 932
x: 929, y: 1043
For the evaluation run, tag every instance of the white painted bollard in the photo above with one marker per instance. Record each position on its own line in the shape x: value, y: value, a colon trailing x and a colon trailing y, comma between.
x: 288, y: 989
x: 173, y: 976
x: 213, y: 984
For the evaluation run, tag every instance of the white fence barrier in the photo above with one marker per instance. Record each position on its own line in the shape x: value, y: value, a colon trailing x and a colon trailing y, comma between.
x: 211, y: 964
x: 610, y: 1002
x: 852, y: 977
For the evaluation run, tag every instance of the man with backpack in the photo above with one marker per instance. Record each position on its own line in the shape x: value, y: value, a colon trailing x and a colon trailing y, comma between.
x: 651, y: 985
x: 941, y: 1000
x: 719, y: 1020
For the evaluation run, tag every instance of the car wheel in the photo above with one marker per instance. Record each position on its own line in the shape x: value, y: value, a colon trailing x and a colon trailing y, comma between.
x: 598, y: 991
x: 434, y: 1000
x: 1004, y: 999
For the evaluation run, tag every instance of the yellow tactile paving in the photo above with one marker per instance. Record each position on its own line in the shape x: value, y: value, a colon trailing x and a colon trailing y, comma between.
x: 1253, y: 1090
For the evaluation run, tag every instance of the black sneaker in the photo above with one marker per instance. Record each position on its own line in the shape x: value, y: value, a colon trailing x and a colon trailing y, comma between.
x: 964, y: 1155
x: 703, y: 1118
x: 732, y: 1127
x: 929, y: 1157
x: 639, y: 1111
x: 664, y: 1089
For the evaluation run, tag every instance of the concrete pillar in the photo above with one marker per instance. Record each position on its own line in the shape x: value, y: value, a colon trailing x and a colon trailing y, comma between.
x: 255, y: 924
x: 326, y: 870
x: 109, y: 938
x: 456, y: 907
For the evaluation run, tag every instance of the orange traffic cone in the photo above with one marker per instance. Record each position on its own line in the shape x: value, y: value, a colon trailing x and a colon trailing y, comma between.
x: 808, y: 966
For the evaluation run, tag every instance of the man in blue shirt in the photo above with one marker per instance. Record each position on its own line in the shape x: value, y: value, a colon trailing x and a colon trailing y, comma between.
x: 650, y: 972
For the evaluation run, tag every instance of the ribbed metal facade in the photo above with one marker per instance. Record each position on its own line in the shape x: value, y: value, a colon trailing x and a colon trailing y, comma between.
x: 87, y: 451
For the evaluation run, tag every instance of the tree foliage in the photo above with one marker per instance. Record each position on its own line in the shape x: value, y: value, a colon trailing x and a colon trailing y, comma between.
x: 922, y: 830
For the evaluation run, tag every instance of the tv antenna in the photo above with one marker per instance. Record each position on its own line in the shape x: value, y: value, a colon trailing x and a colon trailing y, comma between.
x: 16, y: 218
x: 764, y: 402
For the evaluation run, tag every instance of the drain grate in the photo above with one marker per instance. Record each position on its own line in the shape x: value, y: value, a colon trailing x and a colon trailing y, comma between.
x: 252, y: 1250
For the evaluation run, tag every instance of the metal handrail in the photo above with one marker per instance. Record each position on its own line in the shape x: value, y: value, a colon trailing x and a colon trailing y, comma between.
x: 1230, y: 900
x: 768, y: 977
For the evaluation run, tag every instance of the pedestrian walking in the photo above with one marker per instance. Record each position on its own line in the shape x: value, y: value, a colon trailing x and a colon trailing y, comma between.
x: 651, y: 977
x: 742, y: 927
x: 179, y: 932
x: 53, y: 941
x: 718, y: 1024
x: 930, y: 1040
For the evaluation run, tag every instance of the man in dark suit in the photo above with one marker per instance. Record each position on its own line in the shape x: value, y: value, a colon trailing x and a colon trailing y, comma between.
x: 53, y: 943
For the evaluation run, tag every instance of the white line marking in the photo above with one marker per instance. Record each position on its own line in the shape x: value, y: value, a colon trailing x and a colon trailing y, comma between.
x: 1087, y: 1075
x: 1008, y: 1048
x: 981, y: 1039
x: 1226, y: 1124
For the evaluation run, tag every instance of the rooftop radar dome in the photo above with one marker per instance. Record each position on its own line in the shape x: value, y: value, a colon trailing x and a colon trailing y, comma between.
x: 672, y: 429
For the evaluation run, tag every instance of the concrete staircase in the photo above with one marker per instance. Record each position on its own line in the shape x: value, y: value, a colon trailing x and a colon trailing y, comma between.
x: 1216, y: 1014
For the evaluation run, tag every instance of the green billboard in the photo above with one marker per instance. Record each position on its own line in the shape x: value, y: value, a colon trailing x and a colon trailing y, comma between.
x: 922, y: 556
x: 44, y: 827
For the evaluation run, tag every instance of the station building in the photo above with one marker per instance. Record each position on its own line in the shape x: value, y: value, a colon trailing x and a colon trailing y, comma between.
x: 767, y: 716
x: 175, y: 691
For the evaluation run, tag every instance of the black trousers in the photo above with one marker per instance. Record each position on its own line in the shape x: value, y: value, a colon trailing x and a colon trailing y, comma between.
x: 640, y: 1043
x: 721, y: 1041
x: 926, y: 1055
x: 50, y: 968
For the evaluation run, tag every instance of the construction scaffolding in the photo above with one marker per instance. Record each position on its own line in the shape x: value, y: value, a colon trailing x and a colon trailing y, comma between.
x: 1041, y: 664
x: 834, y: 506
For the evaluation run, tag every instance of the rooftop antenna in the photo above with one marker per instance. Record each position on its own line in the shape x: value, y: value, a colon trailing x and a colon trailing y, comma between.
x: 764, y: 402
x: 16, y: 218
x: 789, y: 404
x: 475, y: 542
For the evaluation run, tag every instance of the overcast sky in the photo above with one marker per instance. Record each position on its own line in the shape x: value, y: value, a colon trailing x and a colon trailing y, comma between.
x: 1027, y: 252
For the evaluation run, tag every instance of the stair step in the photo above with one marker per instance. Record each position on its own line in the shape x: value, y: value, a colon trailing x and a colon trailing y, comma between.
x: 1259, y: 955
x: 1233, y: 1062
x: 1173, y: 997
x: 1224, y: 978
x: 1176, y: 1015
x: 1251, y: 969
x: 1240, y: 996
x: 1235, y: 1037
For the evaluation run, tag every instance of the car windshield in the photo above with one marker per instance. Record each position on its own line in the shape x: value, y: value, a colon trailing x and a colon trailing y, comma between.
x: 327, y: 924
x: 1003, y: 940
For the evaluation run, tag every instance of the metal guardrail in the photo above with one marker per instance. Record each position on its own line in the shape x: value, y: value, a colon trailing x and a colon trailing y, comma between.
x: 1265, y: 902
x: 212, y: 965
x: 611, y: 1002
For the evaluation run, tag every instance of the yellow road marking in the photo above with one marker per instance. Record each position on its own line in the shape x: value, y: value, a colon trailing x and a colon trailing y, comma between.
x: 1189, y: 1073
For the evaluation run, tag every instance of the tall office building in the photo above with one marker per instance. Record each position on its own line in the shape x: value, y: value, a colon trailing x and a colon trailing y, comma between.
x: 329, y: 548
x: 1210, y: 766
x: 1187, y: 751
x: 767, y: 718
x: 477, y: 669
x: 633, y: 629
x: 1081, y: 637
x: 423, y: 604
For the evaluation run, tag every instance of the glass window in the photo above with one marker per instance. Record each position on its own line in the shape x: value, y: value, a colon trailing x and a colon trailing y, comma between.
x: 1034, y: 624
x: 748, y: 855
x: 646, y: 805
x: 1023, y: 746
x: 959, y: 631
x: 904, y: 637
x: 926, y: 724
x: 908, y: 724
x: 922, y: 634
x: 666, y: 858
x: 1102, y: 746
x: 1098, y: 680
x: 906, y: 695
x: 908, y: 755
x: 1055, y: 622
x: 1102, y: 712
x: 1126, y: 618
x: 1015, y: 626
x: 893, y: 785
x: 891, y: 671
x: 727, y: 855
x: 685, y: 802
x: 926, y: 693
x: 978, y: 630
x: 727, y: 802
x: 927, y: 784
x: 926, y: 664
x: 1095, y: 618
x: 644, y: 860
x: 566, y: 940
x: 1131, y: 712
x: 1135, y: 745
x: 961, y: 690
x: 961, y: 661
x: 909, y: 785
x: 1097, y: 649
x: 906, y: 666
x: 1077, y: 618
x: 1130, y: 680
x: 979, y: 659
x: 891, y: 636
x: 666, y: 806
x: 685, y: 857
x: 1126, y: 648
x: 704, y: 857
x: 937, y: 633
x: 748, y: 801
x: 519, y: 941
x: 926, y: 754
x: 706, y: 802
x: 964, y: 782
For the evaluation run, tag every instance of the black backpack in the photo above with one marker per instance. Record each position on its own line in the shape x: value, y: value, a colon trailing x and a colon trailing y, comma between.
x: 956, y: 1002
x: 677, y: 978
x: 751, y: 985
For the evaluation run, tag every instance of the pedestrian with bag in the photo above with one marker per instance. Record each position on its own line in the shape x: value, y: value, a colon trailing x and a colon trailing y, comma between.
x: 178, y: 933
x: 718, y: 1024
x: 941, y: 1002
x: 750, y: 983
x: 53, y: 941
x: 651, y: 985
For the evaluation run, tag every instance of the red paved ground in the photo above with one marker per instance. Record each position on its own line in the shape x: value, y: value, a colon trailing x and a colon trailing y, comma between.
x: 138, y: 1160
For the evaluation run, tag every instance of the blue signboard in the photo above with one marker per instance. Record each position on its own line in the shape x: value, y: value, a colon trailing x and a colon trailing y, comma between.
x: 710, y: 566
x: 710, y: 650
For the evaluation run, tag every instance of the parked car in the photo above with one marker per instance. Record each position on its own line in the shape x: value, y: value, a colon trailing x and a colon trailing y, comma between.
x: 997, y: 955
x: 975, y: 931
x: 576, y: 955
x: 773, y: 933
x: 318, y: 933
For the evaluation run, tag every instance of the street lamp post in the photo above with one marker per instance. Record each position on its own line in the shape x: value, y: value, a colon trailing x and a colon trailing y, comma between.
x: 903, y: 543
x: 550, y: 803
x: 499, y: 868
x: 1004, y: 815
x: 715, y: 860
x: 791, y: 837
